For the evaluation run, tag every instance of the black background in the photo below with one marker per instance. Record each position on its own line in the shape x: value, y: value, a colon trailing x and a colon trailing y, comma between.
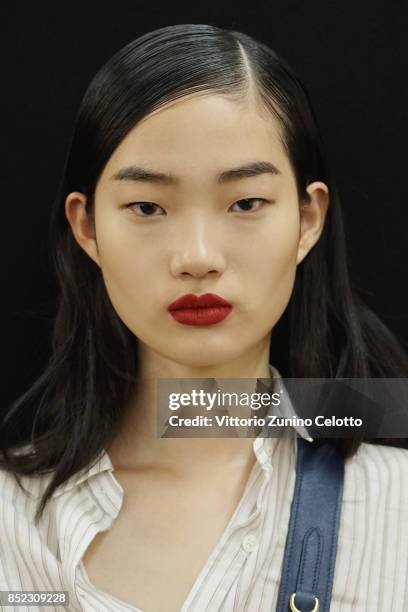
x: 351, y: 56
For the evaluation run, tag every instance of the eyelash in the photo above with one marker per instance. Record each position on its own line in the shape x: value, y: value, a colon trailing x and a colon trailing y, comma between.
x: 132, y: 204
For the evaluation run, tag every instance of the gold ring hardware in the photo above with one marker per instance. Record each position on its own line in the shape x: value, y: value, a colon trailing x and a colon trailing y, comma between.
x: 295, y: 609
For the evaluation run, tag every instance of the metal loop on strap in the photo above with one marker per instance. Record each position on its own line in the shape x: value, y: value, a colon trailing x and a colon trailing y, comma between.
x: 295, y: 609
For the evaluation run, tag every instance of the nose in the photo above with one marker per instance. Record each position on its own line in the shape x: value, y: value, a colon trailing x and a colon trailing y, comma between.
x: 198, y: 251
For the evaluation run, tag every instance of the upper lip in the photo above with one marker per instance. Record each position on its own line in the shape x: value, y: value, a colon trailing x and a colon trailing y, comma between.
x: 207, y: 300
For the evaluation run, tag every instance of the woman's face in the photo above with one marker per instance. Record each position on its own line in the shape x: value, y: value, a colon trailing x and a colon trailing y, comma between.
x: 240, y: 236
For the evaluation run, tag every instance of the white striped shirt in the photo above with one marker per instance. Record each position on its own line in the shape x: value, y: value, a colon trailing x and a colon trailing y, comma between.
x: 244, y: 569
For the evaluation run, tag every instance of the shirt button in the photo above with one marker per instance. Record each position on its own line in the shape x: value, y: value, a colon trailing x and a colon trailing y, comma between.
x: 249, y: 542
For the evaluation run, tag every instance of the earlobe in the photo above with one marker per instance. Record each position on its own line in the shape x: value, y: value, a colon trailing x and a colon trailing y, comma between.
x: 312, y: 218
x: 82, y: 224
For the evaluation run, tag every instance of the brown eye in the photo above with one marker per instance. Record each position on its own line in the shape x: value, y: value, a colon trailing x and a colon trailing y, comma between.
x: 246, y: 202
x: 147, y: 208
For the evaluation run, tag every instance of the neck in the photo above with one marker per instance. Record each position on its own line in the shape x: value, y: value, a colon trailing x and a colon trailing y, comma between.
x: 137, y: 444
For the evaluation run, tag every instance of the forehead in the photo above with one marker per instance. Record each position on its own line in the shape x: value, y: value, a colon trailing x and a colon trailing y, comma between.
x: 201, y: 133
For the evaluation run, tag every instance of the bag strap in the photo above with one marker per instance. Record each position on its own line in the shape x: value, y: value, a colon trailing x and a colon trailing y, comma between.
x: 311, y: 543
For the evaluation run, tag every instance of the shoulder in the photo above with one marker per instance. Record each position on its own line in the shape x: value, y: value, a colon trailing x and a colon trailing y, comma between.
x: 370, y: 455
x: 20, y: 498
x: 23, y: 543
x: 377, y: 473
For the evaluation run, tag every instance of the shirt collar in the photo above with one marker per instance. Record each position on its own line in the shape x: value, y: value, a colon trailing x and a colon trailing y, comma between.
x: 104, y: 463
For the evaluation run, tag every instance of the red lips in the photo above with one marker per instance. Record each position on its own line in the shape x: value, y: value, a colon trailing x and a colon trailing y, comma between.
x: 208, y: 300
x: 205, y: 309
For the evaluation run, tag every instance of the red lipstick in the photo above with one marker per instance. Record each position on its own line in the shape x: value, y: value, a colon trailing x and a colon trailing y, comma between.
x: 205, y: 309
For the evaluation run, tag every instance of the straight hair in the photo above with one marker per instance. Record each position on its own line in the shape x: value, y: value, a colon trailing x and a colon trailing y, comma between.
x: 71, y: 413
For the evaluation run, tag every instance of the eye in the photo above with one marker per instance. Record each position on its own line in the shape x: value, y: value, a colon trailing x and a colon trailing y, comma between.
x: 147, y: 209
x: 248, y: 201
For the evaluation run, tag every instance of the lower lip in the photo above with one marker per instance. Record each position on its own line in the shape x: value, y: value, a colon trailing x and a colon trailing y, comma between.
x: 201, y: 316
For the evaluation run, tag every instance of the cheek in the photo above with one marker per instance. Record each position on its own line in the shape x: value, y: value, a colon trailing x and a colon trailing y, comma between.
x: 264, y: 270
x: 274, y: 260
x: 128, y: 265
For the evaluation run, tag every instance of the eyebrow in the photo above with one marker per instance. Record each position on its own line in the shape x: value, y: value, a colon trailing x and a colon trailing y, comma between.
x: 137, y: 173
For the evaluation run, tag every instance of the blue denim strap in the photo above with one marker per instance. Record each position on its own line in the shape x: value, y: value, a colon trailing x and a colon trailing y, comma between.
x: 311, y: 543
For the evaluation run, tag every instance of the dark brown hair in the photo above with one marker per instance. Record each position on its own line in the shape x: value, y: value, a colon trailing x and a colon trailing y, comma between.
x: 327, y: 331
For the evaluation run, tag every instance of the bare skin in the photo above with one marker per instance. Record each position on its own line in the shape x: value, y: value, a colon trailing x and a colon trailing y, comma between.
x: 180, y: 494
x: 192, y: 501
x: 190, y: 515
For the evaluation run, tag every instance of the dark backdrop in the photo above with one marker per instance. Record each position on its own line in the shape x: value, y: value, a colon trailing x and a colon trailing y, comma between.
x: 352, y: 58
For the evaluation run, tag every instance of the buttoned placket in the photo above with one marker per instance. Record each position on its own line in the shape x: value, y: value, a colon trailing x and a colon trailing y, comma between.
x: 239, y: 540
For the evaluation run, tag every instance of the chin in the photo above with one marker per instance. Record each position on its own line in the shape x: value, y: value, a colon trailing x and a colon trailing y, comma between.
x: 199, y: 357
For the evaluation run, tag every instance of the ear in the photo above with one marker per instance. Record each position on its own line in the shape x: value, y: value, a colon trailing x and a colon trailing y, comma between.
x: 82, y: 224
x: 312, y: 217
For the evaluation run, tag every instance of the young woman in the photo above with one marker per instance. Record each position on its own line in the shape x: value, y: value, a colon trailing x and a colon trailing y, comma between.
x: 195, y: 168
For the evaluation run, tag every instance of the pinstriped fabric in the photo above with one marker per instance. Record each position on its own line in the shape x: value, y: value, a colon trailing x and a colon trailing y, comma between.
x: 243, y: 571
